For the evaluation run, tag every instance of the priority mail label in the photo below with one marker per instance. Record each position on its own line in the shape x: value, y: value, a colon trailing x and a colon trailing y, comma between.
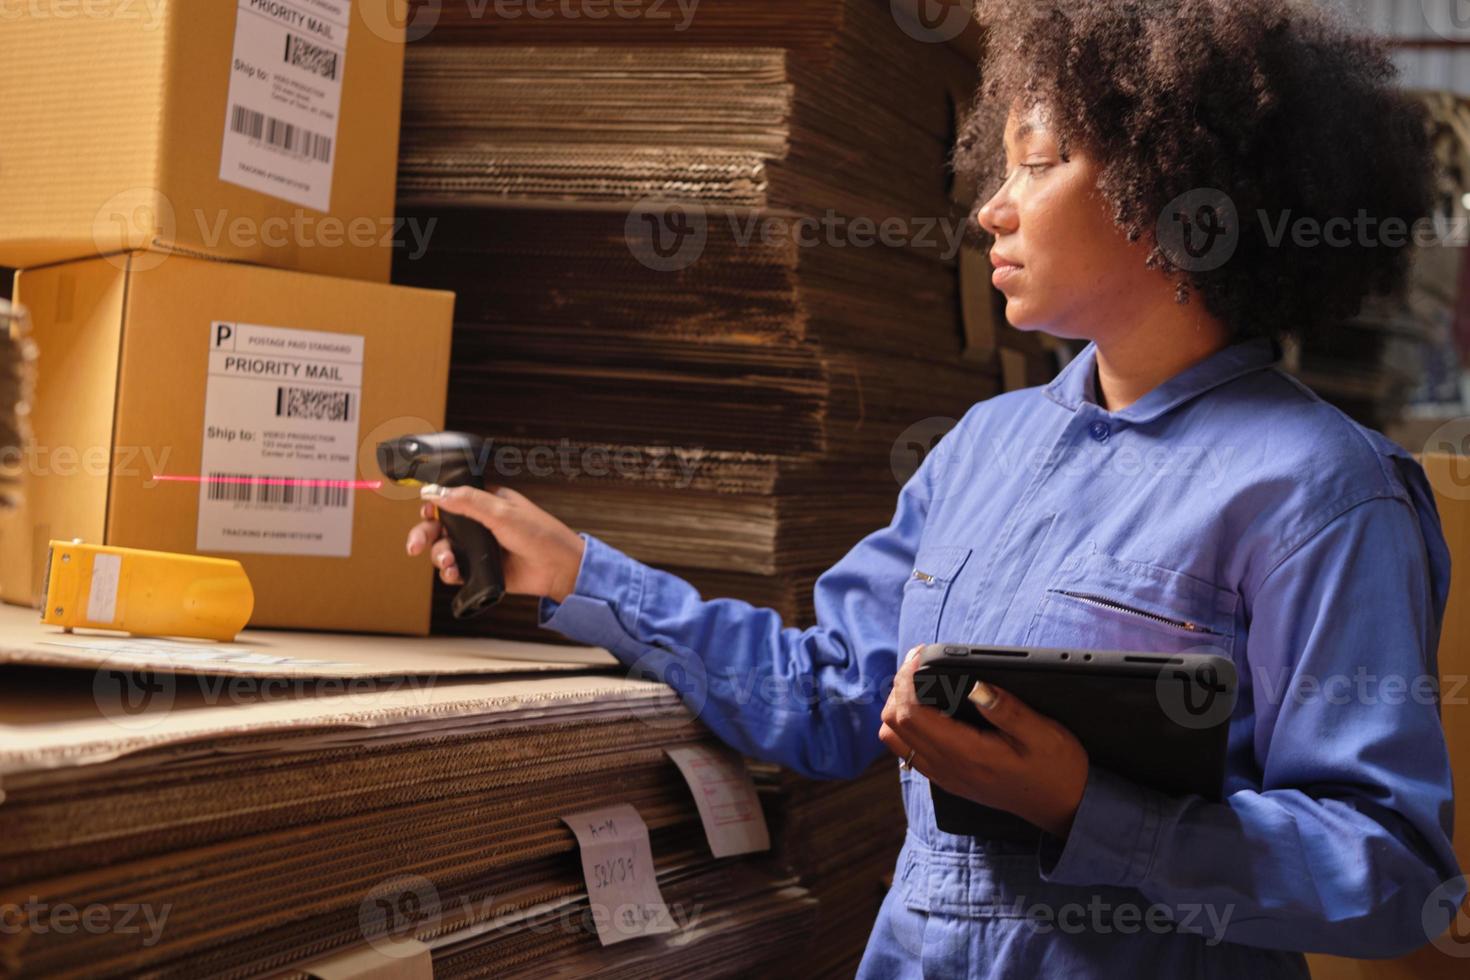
x: 281, y: 415
x: 286, y: 98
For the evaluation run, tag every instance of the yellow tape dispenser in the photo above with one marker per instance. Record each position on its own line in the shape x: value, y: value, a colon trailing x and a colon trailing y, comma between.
x: 149, y: 593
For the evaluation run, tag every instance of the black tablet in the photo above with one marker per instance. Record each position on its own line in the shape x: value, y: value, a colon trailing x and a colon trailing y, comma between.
x: 1158, y: 719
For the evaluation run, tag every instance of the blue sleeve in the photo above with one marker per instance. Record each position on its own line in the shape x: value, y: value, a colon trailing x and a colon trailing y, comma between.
x: 809, y: 699
x: 1345, y: 846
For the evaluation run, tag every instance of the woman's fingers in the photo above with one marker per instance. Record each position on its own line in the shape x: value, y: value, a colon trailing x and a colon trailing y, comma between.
x: 896, y: 744
x: 905, y: 716
x: 442, y: 555
x: 489, y: 507
x: 424, y: 534
x: 1010, y: 714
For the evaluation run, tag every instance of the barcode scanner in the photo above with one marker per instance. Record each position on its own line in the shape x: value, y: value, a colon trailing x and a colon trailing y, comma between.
x: 453, y: 459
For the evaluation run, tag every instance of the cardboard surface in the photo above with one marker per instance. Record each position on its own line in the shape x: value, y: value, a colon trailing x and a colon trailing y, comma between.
x: 53, y: 719
x: 737, y: 351
x: 121, y: 400
x: 1450, y: 477
x: 118, y: 141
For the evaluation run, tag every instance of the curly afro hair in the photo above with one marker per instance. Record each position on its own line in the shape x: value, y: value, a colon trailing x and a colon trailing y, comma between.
x: 1277, y: 103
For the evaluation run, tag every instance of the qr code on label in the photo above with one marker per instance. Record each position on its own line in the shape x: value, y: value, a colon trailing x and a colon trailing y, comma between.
x: 313, y: 57
x: 309, y: 403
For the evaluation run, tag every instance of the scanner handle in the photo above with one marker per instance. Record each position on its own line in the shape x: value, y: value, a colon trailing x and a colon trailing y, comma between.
x: 477, y: 554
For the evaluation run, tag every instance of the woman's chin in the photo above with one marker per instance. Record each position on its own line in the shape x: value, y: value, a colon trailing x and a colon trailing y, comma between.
x: 1020, y: 316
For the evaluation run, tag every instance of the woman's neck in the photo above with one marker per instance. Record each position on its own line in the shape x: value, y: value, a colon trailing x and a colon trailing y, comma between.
x: 1131, y: 363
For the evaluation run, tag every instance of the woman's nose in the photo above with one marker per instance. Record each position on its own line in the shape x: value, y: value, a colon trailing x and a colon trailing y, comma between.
x: 997, y: 215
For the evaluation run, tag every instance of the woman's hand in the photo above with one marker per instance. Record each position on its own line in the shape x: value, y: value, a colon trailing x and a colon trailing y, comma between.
x: 1028, y: 765
x: 539, y: 554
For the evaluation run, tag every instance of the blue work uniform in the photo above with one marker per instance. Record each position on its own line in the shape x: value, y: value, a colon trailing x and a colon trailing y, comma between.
x: 1229, y: 509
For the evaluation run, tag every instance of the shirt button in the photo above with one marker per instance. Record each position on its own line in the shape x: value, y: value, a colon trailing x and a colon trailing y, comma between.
x: 1100, y: 431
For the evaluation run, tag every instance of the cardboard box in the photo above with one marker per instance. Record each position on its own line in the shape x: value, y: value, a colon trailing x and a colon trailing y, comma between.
x: 1446, y: 960
x: 259, y: 130
x: 163, y: 395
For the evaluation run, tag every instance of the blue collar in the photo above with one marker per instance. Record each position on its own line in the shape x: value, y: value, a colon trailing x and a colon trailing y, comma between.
x: 1074, y: 386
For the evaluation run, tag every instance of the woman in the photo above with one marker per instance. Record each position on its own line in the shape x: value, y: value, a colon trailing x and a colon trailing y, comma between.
x: 1171, y: 490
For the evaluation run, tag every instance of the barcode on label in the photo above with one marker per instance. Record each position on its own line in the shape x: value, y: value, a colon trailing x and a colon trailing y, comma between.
x: 274, y: 491
x: 316, y: 59
x: 281, y: 135
x: 310, y: 403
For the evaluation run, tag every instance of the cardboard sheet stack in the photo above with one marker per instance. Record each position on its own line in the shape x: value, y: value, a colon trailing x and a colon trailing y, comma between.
x: 260, y: 819
x: 669, y: 249
x: 840, y: 839
x: 680, y: 22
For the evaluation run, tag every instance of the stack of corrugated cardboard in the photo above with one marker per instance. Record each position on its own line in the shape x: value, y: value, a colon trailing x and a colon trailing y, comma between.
x: 300, y: 802
x: 290, y: 803
x: 710, y: 279
x: 839, y: 838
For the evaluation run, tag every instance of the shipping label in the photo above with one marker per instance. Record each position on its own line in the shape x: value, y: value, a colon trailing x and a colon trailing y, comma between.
x: 281, y: 418
x: 286, y: 98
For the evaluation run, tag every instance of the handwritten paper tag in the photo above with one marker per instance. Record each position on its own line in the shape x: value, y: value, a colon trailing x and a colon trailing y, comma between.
x: 617, y: 862
x: 728, y: 805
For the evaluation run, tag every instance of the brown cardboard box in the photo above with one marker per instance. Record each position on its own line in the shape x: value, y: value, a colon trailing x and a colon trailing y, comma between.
x: 1450, y: 476
x: 193, y: 368
x: 122, y: 116
x: 15, y: 563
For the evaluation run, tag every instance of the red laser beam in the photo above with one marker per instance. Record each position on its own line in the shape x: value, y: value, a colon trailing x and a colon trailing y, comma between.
x: 274, y: 481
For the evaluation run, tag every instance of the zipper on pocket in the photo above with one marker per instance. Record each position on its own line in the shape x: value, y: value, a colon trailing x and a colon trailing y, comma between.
x: 924, y: 577
x: 1183, y: 624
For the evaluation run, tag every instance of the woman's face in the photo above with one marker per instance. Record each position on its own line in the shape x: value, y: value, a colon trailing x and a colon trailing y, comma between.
x: 1062, y: 264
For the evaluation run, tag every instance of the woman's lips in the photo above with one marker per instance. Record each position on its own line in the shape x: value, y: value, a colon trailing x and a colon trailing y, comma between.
x: 1004, y: 272
x: 1005, y: 269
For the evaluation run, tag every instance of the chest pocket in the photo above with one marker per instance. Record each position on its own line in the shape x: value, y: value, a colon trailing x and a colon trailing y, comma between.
x: 926, y: 591
x: 1097, y: 601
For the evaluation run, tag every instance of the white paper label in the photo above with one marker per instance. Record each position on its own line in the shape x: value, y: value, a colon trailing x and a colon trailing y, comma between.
x: 280, y: 441
x: 728, y: 805
x: 286, y: 98
x: 617, y: 861
x: 102, y: 596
